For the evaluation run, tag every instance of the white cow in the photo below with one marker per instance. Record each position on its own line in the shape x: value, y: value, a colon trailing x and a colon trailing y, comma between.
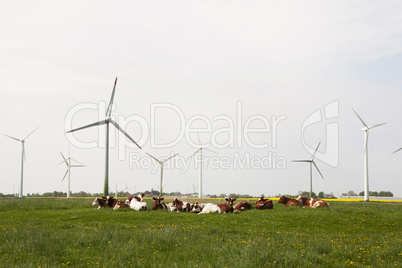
x: 137, y: 203
x: 210, y: 208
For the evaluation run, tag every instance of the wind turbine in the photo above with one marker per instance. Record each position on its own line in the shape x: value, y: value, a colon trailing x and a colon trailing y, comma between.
x: 106, y: 122
x: 67, y: 161
x: 201, y: 162
x: 161, y: 163
x: 22, y: 158
x: 311, y: 161
x: 366, y: 129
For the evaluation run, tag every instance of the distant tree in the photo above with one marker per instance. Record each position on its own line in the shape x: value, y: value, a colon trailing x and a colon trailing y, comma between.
x: 352, y: 193
x: 386, y: 193
x: 361, y: 193
x: 375, y: 193
x: 222, y: 195
x: 321, y: 195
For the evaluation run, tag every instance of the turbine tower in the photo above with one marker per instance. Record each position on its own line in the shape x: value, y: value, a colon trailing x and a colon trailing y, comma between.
x: 67, y: 161
x: 22, y: 159
x: 161, y: 163
x: 311, y: 161
x: 366, y: 129
x: 106, y: 122
x: 201, y: 163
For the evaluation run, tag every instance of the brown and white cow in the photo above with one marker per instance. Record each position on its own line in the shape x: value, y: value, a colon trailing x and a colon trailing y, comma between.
x: 227, y: 207
x: 137, y: 202
x: 196, y: 208
x: 100, y: 201
x: 289, y: 202
x: 115, y: 203
x: 264, y: 203
x: 157, y: 204
x: 312, y: 202
x: 181, y: 206
x: 243, y: 205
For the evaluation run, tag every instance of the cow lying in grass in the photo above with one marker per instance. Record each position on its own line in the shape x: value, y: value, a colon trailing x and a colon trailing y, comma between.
x: 309, y: 202
x: 100, y: 201
x: 181, y: 206
x: 289, y: 202
x: 220, y: 208
x: 137, y: 202
x: 115, y: 203
x: 243, y: 205
x: 157, y: 204
x: 264, y: 203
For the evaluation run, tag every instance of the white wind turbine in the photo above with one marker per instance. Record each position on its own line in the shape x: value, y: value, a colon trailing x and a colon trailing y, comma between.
x: 201, y: 163
x: 22, y: 158
x: 311, y: 161
x: 67, y: 161
x: 161, y: 163
x: 106, y: 122
x: 366, y: 129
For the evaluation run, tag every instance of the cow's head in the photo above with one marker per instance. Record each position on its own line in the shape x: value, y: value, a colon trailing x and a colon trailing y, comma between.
x: 177, y: 202
x: 282, y: 199
x: 139, y: 197
x: 230, y: 201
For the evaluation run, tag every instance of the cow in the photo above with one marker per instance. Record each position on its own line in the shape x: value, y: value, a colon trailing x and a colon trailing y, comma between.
x: 210, y: 208
x: 181, y: 206
x: 171, y: 207
x: 196, y: 208
x: 312, y: 202
x: 115, y: 203
x: 264, y: 203
x: 243, y: 205
x: 289, y: 202
x: 137, y: 202
x: 100, y: 201
x: 220, y: 208
x: 157, y: 204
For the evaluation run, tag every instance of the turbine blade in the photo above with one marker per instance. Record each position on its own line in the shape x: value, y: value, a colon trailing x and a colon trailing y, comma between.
x: 206, y: 149
x: 318, y: 170
x: 77, y: 166
x: 195, y: 152
x: 377, y: 125
x: 169, y: 158
x: 306, y: 161
x: 65, y: 174
x: 62, y: 162
x: 312, y: 157
x: 31, y: 133
x: 397, y: 150
x: 75, y: 161
x: 65, y: 160
x: 12, y: 137
x: 109, y: 108
x: 122, y: 131
x: 364, y: 124
x: 90, y: 125
x: 157, y: 160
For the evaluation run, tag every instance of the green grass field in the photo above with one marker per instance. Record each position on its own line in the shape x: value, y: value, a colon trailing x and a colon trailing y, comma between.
x: 61, y: 232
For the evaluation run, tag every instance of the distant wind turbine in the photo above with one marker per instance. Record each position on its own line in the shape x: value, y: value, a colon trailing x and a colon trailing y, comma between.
x: 67, y: 161
x: 161, y: 163
x: 311, y: 161
x: 366, y: 129
x: 107, y: 121
x: 22, y: 158
x: 201, y: 163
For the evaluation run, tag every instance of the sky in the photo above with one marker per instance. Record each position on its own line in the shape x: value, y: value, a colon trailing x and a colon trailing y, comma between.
x: 261, y: 82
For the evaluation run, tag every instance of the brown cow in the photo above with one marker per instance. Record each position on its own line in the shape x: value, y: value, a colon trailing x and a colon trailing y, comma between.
x: 312, y: 202
x: 227, y: 207
x: 289, y: 202
x: 181, y: 206
x: 157, y: 204
x: 264, y: 203
x: 115, y: 203
x: 243, y: 205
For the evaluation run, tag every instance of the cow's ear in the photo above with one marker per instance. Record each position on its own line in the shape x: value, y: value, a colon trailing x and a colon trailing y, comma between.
x: 162, y: 198
x: 234, y: 199
x: 153, y: 198
x: 226, y: 199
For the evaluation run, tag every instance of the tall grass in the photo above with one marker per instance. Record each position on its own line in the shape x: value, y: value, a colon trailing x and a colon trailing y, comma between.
x: 56, y: 232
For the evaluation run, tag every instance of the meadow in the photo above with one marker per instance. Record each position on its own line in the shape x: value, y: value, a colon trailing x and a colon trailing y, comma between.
x: 60, y: 232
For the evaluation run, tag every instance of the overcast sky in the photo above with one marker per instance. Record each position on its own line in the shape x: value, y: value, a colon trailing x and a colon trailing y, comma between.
x: 262, y: 81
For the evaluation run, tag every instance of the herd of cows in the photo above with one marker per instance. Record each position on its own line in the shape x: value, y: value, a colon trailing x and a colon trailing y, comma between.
x: 137, y: 203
